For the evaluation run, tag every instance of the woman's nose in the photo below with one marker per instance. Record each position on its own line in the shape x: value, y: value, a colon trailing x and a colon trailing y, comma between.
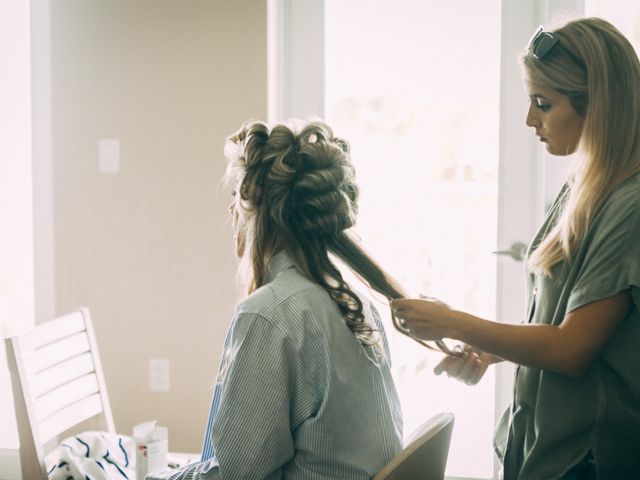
x: 532, y: 119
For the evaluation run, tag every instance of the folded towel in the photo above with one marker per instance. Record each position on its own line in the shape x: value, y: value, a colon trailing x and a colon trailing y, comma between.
x: 93, y: 456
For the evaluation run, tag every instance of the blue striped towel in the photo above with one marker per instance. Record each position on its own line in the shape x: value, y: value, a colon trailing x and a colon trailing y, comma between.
x: 93, y: 456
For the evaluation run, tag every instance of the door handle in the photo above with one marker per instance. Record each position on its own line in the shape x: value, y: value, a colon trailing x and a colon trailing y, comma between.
x: 517, y: 251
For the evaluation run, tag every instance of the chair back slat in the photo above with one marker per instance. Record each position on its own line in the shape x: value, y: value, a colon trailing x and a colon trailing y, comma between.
x: 52, y: 354
x: 50, y: 332
x: 62, y: 373
x: 66, y: 418
x: 65, y: 395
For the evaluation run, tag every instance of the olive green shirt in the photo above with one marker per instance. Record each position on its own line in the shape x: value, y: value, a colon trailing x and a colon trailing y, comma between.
x: 554, y: 420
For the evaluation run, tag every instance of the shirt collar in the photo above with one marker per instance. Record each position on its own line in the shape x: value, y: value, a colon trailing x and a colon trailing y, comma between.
x: 278, y: 263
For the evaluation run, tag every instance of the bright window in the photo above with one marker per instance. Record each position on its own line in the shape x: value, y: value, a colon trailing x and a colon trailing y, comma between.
x: 414, y: 86
x: 625, y: 15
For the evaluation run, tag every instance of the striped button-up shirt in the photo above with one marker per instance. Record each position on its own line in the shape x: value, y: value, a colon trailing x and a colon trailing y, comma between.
x: 298, y: 397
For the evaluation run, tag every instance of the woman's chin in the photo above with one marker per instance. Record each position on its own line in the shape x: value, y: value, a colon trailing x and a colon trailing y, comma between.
x: 554, y: 151
x: 558, y: 152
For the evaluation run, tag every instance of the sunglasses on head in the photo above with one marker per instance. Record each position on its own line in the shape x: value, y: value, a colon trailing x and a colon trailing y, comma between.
x: 541, y: 43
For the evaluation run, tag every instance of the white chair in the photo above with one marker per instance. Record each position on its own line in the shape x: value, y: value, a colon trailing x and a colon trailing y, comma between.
x: 58, y: 387
x: 425, y: 456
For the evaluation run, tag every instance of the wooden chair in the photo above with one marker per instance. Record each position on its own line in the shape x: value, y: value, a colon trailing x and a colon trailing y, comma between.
x: 425, y: 456
x: 58, y: 387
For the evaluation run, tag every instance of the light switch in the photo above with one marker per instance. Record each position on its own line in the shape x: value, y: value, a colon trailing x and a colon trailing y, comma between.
x: 159, y: 374
x: 109, y: 155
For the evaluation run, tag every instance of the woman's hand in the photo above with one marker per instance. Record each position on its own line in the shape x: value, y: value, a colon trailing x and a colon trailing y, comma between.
x: 430, y: 319
x: 425, y: 318
x: 468, y: 368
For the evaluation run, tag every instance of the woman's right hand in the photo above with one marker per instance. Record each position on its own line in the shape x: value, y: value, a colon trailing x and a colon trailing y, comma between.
x: 468, y: 368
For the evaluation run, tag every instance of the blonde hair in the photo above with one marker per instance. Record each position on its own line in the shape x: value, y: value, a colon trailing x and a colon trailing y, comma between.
x: 295, y: 191
x: 598, y: 69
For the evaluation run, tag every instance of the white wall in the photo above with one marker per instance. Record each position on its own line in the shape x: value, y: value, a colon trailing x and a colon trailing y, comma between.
x: 16, y: 208
x: 149, y: 250
x: 44, y: 261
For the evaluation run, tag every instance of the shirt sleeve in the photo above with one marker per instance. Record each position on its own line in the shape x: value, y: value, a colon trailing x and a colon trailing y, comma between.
x: 612, y: 257
x: 251, y: 433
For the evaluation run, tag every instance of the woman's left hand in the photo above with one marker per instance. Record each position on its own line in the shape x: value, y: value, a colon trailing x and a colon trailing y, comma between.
x: 425, y: 318
x: 469, y: 367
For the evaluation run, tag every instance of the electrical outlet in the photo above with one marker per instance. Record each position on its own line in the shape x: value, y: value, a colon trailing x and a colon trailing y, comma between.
x: 159, y: 374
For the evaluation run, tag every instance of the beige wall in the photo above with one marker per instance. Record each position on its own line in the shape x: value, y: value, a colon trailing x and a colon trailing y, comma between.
x: 148, y: 250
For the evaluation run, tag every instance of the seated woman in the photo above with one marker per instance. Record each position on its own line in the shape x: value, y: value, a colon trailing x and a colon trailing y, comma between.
x: 304, y: 389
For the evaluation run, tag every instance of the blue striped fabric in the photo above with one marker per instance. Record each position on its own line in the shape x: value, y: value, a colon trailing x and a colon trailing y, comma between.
x: 92, y: 455
x: 298, y: 397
